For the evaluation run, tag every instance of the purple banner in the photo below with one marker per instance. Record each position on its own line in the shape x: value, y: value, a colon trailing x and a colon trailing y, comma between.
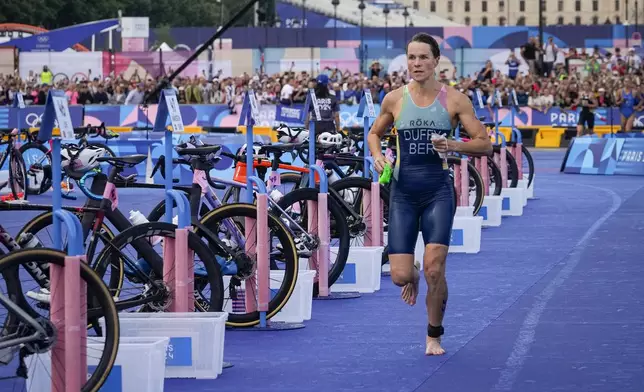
x: 31, y: 116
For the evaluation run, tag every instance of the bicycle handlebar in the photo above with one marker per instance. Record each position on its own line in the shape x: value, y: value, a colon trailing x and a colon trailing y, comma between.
x: 83, y: 187
x: 161, y: 162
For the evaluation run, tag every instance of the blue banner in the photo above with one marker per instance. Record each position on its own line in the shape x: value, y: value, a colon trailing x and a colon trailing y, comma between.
x: 61, y: 39
x: 605, y: 156
x: 31, y: 116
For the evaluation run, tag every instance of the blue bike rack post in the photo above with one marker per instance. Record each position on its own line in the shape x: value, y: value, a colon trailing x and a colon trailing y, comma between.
x: 372, y: 209
x: 258, y: 231
x: 178, y: 260
x: 18, y: 105
x: 366, y: 103
x: 318, y: 223
x: 68, y: 291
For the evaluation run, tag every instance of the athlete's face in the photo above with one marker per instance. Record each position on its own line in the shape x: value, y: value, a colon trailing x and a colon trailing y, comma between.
x: 420, y: 61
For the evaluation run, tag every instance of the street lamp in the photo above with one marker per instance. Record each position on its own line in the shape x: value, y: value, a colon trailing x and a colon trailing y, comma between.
x: 405, y: 15
x: 303, y: 22
x: 386, y: 12
x: 361, y: 7
x: 335, y: 4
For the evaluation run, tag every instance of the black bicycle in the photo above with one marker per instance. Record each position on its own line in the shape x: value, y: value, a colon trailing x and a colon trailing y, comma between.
x: 28, y: 329
x: 17, y: 177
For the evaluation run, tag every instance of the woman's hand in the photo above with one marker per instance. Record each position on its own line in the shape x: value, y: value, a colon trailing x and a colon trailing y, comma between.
x: 380, y: 163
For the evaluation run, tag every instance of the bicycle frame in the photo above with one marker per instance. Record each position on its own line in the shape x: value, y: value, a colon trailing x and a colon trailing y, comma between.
x: 13, y: 340
x: 239, y: 177
x: 214, y: 202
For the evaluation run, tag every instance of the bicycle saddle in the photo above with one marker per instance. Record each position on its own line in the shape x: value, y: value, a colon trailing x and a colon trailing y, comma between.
x: 285, y: 147
x: 198, y: 151
x: 129, y: 160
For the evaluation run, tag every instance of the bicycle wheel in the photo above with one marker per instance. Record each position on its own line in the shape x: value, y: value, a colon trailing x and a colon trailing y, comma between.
x: 351, y: 190
x: 99, y: 304
x: 17, y: 175
x: 283, y: 256
x: 207, y: 274
x: 528, y: 158
x: 495, y: 177
x: 36, y: 156
x: 513, y: 173
x: 476, y: 192
x: 513, y: 170
x: 295, y: 205
x: 42, y: 227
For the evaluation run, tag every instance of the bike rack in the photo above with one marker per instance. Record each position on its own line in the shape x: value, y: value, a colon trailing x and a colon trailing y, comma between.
x: 259, y: 231
x: 68, y: 291
x: 178, y: 259
x: 318, y: 222
x: 371, y: 206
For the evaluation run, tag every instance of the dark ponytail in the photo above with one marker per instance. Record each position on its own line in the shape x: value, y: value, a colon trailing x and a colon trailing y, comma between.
x: 321, y: 91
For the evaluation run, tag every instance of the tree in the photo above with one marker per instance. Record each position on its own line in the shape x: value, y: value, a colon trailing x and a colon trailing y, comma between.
x: 53, y: 14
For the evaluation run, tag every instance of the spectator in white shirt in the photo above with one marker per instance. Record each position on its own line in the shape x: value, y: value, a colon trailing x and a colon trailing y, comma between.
x: 549, y: 57
x: 135, y: 97
x: 286, y: 94
x: 633, y: 61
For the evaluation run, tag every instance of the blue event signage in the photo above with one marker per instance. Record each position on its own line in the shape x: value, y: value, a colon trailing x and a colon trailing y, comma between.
x: 250, y: 109
x: 56, y: 113
x: 168, y: 108
x: 605, y: 156
x: 367, y: 103
x: 179, y: 352
x: 114, y: 381
x: 271, y: 115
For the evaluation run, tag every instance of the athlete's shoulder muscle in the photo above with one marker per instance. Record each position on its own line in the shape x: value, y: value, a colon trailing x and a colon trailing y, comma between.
x: 458, y: 103
x: 387, y: 115
x: 391, y: 100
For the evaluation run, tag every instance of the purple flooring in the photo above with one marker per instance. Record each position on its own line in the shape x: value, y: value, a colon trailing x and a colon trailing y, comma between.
x: 553, y: 302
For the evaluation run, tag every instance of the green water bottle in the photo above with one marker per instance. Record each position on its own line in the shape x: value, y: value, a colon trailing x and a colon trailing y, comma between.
x: 385, y: 177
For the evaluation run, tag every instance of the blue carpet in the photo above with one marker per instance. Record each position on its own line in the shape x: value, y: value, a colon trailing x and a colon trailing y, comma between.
x: 551, y: 303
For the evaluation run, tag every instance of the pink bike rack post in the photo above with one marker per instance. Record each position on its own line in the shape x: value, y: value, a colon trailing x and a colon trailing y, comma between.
x: 501, y: 161
x: 68, y: 310
x: 258, y: 229
x: 462, y: 184
x: 373, y: 213
x: 178, y: 260
x: 482, y: 167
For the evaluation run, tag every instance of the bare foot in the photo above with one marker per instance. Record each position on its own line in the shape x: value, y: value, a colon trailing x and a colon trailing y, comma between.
x: 410, y: 291
x: 433, y: 346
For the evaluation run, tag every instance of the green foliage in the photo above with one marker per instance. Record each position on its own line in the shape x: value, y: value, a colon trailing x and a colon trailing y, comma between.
x: 53, y: 14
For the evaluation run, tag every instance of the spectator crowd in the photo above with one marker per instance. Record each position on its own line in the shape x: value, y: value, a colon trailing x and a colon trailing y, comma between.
x: 555, y: 78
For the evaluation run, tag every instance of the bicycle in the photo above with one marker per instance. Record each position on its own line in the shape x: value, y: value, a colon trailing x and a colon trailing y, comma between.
x: 228, y: 253
x: 291, y: 209
x: 17, y: 178
x: 145, y: 266
x: 27, y: 332
x: 39, y: 166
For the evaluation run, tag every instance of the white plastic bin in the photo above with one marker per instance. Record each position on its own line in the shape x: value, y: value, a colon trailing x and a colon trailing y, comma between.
x: 196, y: 347
x: 299, y: 305
x: 139, y: 365
x: 362, y: 271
